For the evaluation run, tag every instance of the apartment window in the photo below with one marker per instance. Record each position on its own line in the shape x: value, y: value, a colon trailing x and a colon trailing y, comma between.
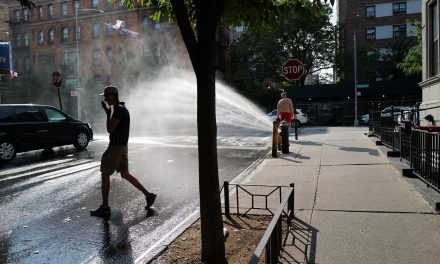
x: 50, y: 36
x: 96, y: 32
x: 26, y: 15
x: 96, y: 57
x: 399, y: 8
x: 65, y: 58
x: 109, y: 55
x: 40, y: 12
x: 50, y: 10
x: 433, y: 39
x: 98, y: 82
x: 76, y: 4
x: 27, y: 65
x: 40, y: 38
x: 17, y: 15
x: 108, y: 4
x: 64, y: 8
x: 95, y: 4
x: 371, y: 33
x: 370, y: 11
x: 65, y: 34
x: 17, y: 40
x: 26, y: 39
x: 78, y: 33
x: 108, y: 29
x: 145, y: 23
x: 157, y: 25
x: 399, y: 30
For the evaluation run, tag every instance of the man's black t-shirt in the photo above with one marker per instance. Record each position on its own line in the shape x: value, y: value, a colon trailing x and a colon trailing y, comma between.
x: 119, y: 136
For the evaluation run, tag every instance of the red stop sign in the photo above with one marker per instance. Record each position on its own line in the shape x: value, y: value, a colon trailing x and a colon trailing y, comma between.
x: 56, y: 79
x: 293, y: 69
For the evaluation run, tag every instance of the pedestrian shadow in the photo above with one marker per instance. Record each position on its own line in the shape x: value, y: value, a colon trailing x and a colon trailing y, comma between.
x: 300, y: 243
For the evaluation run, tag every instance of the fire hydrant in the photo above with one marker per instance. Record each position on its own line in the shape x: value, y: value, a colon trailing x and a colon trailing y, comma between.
x: 284, y: 137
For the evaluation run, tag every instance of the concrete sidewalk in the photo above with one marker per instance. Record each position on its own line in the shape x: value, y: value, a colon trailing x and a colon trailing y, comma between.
x: 352, y: 204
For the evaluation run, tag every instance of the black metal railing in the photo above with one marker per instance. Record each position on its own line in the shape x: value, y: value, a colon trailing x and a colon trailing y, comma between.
x: 271, y: 242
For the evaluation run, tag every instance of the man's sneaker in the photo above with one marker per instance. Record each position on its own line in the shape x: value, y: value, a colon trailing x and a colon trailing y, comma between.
x: 150, y: 200
x: 101, y: 212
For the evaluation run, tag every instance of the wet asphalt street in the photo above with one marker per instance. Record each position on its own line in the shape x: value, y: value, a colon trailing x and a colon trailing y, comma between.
x: 45, y: 199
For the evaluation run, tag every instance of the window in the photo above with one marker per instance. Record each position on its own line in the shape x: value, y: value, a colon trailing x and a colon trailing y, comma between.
x: 17, y: 40
x: 78, y: 33
x: 50, y: 36
x: 6, y: 114
x: 40, y: 12
x: 64, y: 34
x: 96, y: 32
x: 145, y: 23
x: 399, y: 8
x: 98, y: 82
x: 108, y: 29
x: 64, y: 8
x: 17, y: 15
x: 399, y: 30
x: 65, y: 58
x: 109, y: 55
x: 370, y: 11
x: 40, y: 38
x: 121, y: 4
x: 433, y: 39
x: 157, y: 25
x: 26, y: 15
x: 108, y: 4
x: 49, y: 10
x: 96, y: 57
x: 95, y: 4
x: 76, y: 4
x: 29, y: 114
x: 53, y: 115
x: 27, y: 65
x: 371, y: 33
x: 26, y: 39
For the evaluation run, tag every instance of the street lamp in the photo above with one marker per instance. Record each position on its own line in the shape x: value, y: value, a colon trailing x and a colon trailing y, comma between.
x: 78, y: 85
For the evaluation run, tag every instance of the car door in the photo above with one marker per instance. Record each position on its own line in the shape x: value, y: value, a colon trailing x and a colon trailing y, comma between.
x: 31, y: 127
x: 60, y: 129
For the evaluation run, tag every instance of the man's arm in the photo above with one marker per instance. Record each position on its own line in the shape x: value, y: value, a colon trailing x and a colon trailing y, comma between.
x: 111, y: 123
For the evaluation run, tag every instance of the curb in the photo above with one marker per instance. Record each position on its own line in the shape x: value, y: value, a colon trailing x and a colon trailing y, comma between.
x: 160, y: 246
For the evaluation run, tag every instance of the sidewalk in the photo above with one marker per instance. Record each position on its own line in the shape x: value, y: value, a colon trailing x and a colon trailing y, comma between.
x: 352, y: 204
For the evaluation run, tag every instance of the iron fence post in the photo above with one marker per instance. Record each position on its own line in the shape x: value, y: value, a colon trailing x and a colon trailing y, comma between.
x: 226, y: 192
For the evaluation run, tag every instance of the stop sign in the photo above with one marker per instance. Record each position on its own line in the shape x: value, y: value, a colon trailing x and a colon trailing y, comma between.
x: 293, y: 69
x: 56, y: 79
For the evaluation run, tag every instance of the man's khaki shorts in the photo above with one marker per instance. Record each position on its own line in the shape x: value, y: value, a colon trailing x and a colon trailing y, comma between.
x: 114, y: 158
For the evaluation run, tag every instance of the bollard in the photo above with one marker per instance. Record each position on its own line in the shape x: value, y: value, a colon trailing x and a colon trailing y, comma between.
x: 275, y: 139
x: 226, y: 192
x: 284, y: 137
x: 295, y: 124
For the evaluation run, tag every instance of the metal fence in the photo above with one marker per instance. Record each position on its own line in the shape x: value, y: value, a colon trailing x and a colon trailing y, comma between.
x: 425, y: 150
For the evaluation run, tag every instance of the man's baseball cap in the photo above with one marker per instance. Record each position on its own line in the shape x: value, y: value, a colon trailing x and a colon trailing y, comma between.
x: 110, y: 90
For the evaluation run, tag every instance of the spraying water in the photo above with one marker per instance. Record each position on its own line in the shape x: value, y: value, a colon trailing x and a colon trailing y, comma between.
x: 168, y: 106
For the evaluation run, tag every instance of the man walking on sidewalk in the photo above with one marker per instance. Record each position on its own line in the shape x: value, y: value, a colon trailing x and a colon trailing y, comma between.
x: 285, y: 108
x: 116, y: 155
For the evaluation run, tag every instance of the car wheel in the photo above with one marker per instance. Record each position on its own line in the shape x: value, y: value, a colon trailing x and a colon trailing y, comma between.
x: 7, y: 151
x: 81, y: 140
x: 296, y: 122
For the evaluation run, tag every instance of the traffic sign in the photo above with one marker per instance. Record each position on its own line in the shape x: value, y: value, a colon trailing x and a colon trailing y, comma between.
x: 293, y: 69
x: 57, y: 80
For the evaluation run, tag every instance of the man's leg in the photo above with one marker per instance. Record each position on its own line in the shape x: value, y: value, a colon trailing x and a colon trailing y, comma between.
x: 105, y: 188
x: 134, y: 181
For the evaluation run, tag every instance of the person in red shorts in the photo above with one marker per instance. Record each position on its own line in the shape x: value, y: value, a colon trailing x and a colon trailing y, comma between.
x: 115, y: 158
x: 285, y: 108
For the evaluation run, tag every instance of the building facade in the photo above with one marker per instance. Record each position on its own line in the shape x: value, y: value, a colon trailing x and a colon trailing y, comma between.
x: 374, y: 24
x: 430, y: 48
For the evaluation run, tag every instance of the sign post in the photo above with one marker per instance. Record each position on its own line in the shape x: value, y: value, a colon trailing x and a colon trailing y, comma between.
x: 57, y: 80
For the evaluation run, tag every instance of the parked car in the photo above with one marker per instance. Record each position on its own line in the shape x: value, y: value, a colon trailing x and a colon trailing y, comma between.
x: 396, y: 112
x: 25, y: 127
x: 301, y: 118
x: 365, y: 119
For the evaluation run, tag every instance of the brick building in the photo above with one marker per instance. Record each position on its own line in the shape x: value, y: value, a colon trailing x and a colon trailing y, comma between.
x: 376, y: 23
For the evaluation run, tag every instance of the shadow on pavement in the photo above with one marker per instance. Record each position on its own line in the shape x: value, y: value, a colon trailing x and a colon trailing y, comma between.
x: 300, y: 243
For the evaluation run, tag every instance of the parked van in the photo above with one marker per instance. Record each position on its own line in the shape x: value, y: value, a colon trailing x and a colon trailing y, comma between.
x: 25, y: 127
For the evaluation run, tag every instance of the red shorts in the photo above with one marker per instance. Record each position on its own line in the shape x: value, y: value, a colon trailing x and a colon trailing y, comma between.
x: 286, y: 116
